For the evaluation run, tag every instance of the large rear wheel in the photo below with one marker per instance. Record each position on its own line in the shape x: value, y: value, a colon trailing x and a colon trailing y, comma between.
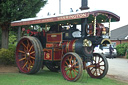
x: 71, y: 66
x: 29, y: 55
x: 99, y: 66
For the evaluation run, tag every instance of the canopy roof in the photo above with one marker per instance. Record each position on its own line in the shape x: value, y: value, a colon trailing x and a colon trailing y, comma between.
x: 72, y: 18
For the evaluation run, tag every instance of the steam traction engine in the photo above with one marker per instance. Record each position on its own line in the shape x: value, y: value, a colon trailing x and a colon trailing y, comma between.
x: 69, y: 50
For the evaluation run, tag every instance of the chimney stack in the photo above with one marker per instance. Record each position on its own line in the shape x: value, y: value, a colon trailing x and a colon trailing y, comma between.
x: 84, y: 5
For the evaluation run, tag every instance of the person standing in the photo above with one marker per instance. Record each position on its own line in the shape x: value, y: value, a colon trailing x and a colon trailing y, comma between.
x: 110, y: 51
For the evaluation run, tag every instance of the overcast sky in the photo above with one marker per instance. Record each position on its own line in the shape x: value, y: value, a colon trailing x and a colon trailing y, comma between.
x: 118, y: 7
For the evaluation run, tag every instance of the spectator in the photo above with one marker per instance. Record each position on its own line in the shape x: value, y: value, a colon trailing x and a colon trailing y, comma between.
x: 111, y: 50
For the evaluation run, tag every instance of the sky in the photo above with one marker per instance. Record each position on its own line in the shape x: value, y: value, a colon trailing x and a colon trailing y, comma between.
x: 118, y: 7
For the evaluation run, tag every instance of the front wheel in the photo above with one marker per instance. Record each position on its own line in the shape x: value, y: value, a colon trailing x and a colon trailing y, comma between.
x: 100, y: 66
x: 71, y: 66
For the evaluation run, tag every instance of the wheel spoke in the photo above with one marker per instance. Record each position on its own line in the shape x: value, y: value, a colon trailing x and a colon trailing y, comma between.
x: 70, y: 60
x: 32, y: 52
x: 21, y: 51
x: 30, y: 48
x: 66, y: 63
x: 24, y: 50
x: 31, y: 63
x: 74, y: 73
x: 74, y: 60
x: 24, y: 45
x: 25, y: 64
x: 74, y: 63
x: 28, y: 44
x: 76, y: 66
x: 32, y: 57
x: 99, y: 71
x: 92, y: 69
x: 99, y: 59
x: 22, y: 59
x: 65, y: 67
x: 94, y: 72
x: 75, y: 70
x: 29, y: 66
x: 71, y: 73
x: 100, y: 62
x: 66, y: 70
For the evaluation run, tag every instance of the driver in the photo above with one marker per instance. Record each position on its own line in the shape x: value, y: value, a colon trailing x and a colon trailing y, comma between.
x: 99, y: 29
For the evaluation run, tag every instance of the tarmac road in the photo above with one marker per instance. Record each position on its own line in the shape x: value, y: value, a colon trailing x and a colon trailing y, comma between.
x: 118, y: 68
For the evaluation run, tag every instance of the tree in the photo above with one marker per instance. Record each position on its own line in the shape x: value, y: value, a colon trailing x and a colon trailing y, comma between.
x: 11, y: 10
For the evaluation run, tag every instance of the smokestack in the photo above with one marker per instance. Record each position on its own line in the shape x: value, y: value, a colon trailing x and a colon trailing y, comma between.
x: 84, y: 5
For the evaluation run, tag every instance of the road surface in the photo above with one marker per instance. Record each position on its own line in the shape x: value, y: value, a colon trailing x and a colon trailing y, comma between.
x: 118, y: 68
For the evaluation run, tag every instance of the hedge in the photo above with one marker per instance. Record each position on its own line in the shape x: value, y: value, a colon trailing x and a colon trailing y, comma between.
x: 122, y: 49
x: 7, y: 56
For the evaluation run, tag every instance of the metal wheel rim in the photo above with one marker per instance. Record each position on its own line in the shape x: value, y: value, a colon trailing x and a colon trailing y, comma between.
x: 101, y: 67
x: 71, y: 67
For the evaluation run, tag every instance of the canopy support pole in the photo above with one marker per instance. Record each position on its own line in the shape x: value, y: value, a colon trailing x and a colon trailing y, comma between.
x: 94, y: 26
x: 109, y: 27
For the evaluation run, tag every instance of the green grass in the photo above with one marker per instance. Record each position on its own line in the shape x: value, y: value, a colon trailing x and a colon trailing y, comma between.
x: 45, y: 77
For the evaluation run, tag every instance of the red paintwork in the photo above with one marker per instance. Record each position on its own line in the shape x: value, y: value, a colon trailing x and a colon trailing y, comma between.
x: 57, y: 51
x: 70, y: 48
x: 54, y: 37
x: 57, y: 54
x: 65, y: 50
x: 48, y: 54
x: 53, y: 54
x: 49, y: 45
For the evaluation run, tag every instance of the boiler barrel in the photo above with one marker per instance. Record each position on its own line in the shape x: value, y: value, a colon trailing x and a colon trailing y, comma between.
x: 77, y: 46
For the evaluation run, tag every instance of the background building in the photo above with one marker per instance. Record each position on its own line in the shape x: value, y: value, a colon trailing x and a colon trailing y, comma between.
x: 119, y: 35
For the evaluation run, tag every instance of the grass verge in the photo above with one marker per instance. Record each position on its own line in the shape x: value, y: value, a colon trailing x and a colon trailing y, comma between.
x: 45, y: 77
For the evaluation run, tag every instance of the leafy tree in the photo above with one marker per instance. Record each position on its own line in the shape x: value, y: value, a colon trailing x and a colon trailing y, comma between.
x: 0, y: 37
x: 11, y: 10
x: 12, y: 38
